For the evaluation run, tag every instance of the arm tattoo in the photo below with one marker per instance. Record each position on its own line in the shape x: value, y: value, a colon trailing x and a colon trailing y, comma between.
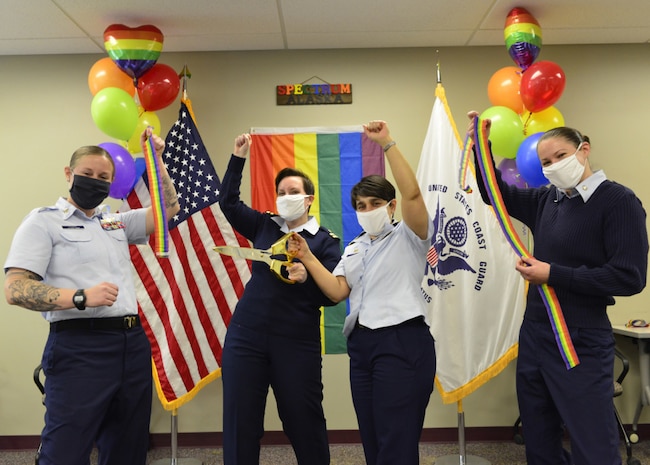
x: 171, y: 199
x: 29, y: 292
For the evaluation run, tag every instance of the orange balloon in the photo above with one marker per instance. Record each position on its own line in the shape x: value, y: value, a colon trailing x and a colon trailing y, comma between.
x: 105, y: 73
x: 503, y: 89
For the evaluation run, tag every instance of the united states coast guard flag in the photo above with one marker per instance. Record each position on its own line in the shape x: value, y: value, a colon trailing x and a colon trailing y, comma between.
x: 186, y: 301
x: 475, y: 296
x: 334, y: 158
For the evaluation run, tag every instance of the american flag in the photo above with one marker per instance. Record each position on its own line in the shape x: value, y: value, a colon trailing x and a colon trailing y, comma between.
x: 432, y: 256
x: 186, y: 301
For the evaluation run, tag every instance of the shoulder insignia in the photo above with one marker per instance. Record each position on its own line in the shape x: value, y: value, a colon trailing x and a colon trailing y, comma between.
x: 333, y: 235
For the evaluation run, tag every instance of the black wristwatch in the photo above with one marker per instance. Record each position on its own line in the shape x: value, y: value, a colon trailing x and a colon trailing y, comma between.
x: 79, y: 299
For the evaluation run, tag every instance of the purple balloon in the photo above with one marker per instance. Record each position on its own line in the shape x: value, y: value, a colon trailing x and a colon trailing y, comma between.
x: 528, y: 161
x: 125, y: 170
x: 510, y: 173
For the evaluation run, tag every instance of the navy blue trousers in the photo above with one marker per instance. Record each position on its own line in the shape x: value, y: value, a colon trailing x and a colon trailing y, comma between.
x: 252, y: 361
x: 391, y: 374
x: 98, y: 390
x: 581, y: 399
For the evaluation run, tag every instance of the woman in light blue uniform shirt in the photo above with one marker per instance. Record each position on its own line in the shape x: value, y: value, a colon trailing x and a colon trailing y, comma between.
x: 392, y: 355
x: 71, y: 262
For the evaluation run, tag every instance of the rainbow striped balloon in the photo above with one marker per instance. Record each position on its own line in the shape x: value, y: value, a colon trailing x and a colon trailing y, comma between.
x: 134, y: 50
x: 523, y: 36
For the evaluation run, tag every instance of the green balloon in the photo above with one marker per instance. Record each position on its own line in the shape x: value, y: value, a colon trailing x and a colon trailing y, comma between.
x: 114, y: 112
x: 506, y: 132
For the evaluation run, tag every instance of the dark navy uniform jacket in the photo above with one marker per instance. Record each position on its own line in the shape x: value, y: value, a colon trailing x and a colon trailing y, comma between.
x: 269, y: 304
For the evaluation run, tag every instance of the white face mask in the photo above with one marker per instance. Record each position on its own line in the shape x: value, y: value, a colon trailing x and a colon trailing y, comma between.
x: 565, y: 174
x: 291, y: 207
x: 374, y: 221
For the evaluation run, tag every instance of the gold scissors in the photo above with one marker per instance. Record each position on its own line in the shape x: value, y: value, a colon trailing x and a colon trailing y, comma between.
x: 277, y: 248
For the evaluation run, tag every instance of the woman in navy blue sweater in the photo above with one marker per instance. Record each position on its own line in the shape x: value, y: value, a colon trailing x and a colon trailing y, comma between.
x: 273, y: 338
x: 590, y: 244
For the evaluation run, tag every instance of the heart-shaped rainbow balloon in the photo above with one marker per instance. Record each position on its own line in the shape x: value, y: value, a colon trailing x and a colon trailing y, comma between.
x: 523, y: 36
x: 134, y: 50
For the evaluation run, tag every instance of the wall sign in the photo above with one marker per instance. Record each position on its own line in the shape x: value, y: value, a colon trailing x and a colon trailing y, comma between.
x: 313, y: 94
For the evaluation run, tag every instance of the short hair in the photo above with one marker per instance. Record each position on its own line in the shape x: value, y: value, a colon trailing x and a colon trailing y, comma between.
x: 372, y: 186
x: 307, y: 184
x: 569, y: 134
x: 87, y: 150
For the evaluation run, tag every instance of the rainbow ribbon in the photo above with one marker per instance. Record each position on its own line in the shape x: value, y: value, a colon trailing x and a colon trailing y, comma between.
x: 484, y: 157
x: 161, y: 227
x: 464, y: 166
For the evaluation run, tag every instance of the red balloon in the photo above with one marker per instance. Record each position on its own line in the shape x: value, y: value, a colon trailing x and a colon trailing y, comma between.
x: 158, y: 87
x: 542, y: 85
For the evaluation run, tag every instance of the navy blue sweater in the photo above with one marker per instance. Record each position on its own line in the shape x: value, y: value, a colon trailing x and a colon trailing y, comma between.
x: 597, y: 249
x: 269, y: 304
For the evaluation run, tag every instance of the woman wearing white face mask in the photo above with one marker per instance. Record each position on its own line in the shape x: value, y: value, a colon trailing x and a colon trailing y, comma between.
x: 273, y: 338
x: 590, y: 244
x: 392, y: 354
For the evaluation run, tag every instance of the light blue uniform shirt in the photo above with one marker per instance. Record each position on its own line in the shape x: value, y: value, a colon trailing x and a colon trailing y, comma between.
x: 69, y: 250
x: 385, y: 276
x: 586, y: 188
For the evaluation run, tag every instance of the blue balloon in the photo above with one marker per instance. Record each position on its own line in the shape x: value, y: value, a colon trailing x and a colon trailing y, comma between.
x: 140, y: 168
x: 528, y: 162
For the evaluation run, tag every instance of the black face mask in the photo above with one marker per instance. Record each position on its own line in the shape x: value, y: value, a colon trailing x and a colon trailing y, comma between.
x: 88, y: 192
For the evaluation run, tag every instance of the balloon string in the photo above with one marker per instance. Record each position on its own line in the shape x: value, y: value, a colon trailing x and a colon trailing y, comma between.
x: 530, y: 114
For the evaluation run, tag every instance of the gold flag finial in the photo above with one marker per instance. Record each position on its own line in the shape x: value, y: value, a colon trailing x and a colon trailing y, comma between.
x: 184, y: 75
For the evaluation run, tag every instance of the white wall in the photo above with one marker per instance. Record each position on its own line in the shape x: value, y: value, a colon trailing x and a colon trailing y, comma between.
x: 45, y: 116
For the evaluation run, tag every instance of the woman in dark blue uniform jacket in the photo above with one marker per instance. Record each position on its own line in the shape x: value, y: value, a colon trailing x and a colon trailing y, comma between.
x: 273, y: 338
x: 591, y: 244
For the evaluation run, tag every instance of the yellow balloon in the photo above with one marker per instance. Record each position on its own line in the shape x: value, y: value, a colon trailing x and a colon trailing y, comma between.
x: 146, y: 119
x: 542, y: 121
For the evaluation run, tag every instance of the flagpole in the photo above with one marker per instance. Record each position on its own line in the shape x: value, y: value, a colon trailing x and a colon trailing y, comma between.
x: 461, y: 458
x: 174, y: 460
x: 184, y: 75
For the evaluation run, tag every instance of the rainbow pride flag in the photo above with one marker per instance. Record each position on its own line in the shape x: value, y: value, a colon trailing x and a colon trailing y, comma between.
x: 335, y: 158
